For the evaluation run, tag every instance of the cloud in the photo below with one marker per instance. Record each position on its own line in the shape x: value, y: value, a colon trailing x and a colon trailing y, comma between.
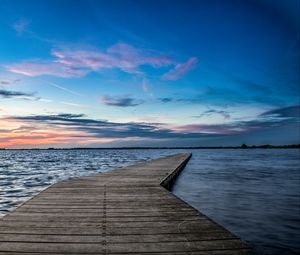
x: 63, y: 88
x: 5, y: 82
x: 129, y: 57
x: 249, y: 90
x: 224, y: 129
x: 221, y: 97
x: 20, y: 26
x: 40, y: 67
x: 18, y: 95
x: 66, y: 116
x: 250, y: 85
x: 9, y: 82
x: 285, y: 112
x: 244, y: 83
x: 92, y: 128
x: 76, y: 62
x: 279, y: 117
x: 75, y: 104
x: 166, y: 99
x: 225, y: 114
x: 228, y: 128
x: 71, y: 129
x: 120, y: 101
x: 33, y: 137
x: 146, y: 87
x: 181, y: 69
x: 108, y: 129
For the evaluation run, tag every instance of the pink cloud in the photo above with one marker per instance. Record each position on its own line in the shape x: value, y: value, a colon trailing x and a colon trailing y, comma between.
x: 132, y: 57
x: 79, y: 62
x: 37, y: 68
x: 90, y: 59
x: 209, y: 129
x: 181, y: 69
x: 146, y: 87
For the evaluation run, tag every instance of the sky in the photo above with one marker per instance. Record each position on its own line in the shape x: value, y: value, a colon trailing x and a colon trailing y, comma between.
x: 122, y: 73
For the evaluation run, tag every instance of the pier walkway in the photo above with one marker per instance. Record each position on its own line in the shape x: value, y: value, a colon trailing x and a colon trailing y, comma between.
x: 125, y: 211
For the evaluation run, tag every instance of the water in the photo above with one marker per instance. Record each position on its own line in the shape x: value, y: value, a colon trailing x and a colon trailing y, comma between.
x: 253, y: 193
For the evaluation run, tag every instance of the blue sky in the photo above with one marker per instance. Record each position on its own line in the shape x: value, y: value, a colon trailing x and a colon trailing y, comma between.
x: 148, y: 73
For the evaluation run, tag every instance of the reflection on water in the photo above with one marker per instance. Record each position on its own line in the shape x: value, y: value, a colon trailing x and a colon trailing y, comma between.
x: 253, y: 193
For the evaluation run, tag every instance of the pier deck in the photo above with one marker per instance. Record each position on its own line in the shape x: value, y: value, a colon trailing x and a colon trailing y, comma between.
x: 125, y: 211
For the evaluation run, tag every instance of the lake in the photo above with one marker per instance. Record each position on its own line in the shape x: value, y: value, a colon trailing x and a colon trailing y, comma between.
x: 254, y: 193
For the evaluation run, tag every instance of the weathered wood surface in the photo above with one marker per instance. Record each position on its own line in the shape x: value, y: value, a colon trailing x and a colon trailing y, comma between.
x: 125, y: 211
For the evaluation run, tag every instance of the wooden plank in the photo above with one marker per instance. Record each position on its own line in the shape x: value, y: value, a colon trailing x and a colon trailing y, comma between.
x: 215, y: 252
x: 78, y: 238
x: 125, y: 211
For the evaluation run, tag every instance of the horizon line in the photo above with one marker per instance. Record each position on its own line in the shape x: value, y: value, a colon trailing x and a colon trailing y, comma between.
x: 243, y: 146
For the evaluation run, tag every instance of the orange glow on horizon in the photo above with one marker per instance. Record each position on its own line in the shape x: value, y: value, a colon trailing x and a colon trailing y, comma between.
x: 44, y: 138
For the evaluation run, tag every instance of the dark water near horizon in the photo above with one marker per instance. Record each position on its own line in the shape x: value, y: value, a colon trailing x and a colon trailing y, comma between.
x: 253, y: 193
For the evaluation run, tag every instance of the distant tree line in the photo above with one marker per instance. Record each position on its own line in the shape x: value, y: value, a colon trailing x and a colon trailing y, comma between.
x: 243, y: 146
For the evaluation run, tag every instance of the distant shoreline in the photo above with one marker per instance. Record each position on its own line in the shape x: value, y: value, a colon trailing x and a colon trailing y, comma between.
x: 243, y: 146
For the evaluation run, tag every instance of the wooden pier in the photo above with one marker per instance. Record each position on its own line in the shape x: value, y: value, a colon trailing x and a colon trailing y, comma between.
x: 125, y: 211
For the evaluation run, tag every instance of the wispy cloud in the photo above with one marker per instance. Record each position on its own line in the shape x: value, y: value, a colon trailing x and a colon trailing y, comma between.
x: 76, y: 62
x: 250, y: 85
x: 18, y: 95
x: 9, y: 82
x: 225, y: 114
x: 63, y: 88
x: 99, y: 128
x: 181, y: 69
x: 224, y: 129
x: 285, y: 112
x: 130, y: 58
x: 120, y: 101
x: 75, y: 104
x: 245, y: 83
x: 146, y: 87
x: 220, y: 96
x: 271, y: 119
x: 40, y: 67
x: 166, y: 99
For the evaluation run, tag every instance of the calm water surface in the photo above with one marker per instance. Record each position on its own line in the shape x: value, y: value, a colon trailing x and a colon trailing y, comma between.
x: 253, y: 193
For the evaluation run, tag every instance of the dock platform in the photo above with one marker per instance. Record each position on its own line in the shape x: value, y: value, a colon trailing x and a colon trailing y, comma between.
x: 125, y: 211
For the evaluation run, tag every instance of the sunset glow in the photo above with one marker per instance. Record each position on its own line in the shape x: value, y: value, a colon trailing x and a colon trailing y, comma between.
x: 190, y: 73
